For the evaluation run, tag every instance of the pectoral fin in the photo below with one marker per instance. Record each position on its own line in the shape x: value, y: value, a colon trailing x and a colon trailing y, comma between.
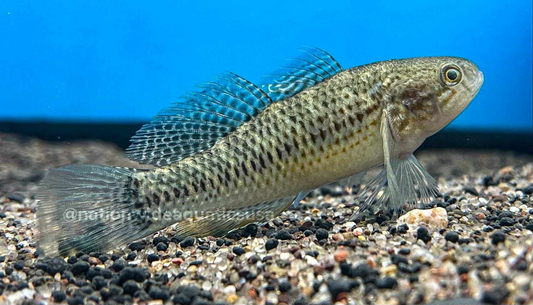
x: 403, y: 181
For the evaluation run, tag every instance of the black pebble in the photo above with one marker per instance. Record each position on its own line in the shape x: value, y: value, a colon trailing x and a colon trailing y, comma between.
x: 423, y: 234
x: 157, y: 293
x: 130, y: 287
x: 321, y: 234
x: 397, y: 259
x: 404, y: 251
x: 72, y: 260
x: 323, y: 224
x: 18, y: 265
x: 131, y: 256
x: 452, y: 236
x: 250, y: 230
x: 386, y: 283
x: 59, y: 296
x: 507, y: 222
x: 161, y: 247
x: 495, y: 296
x: 402, y: 229
x: 79, y: 267
x: 129, y: 273
x: 136, y: 246
x: 308, y: 232
x: 152, y: 257
x: 98, y: 282
x: 220, y: 242
x: 18, y: 197
x: 337, y: 287
x: 284, y: 286
x: 187, y: 242
x: 118, y: 265
x: 103, y: 258
x: 497, y: 237
x: 528, y: 190
x: 176, y: 239
x: 271, y: 244
x: 471, y: 190
x: 160, y: 239
x: 464, y: 241
x: 238, y: 250
x: 75, y: 301
x: 284, y: 235
x: 52, y: 265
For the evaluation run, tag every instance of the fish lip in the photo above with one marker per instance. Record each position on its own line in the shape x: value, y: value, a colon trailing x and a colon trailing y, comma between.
x: 479, y: 82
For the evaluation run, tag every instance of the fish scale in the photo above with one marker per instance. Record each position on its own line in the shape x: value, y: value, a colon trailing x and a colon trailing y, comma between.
x: 235, y: 153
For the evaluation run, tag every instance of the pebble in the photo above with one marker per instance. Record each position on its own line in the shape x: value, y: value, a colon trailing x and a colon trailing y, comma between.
x: 161, y: 247
x: 284, y: 235
x: 130, y: 287
x: 271, y: 244
x: 152, y: 257
x: 79, y: 268
x: 340, y: 255
x: 497, y: 237
x: 434, y: 219
x: 59, y: 296
x: 136, y: 246
x: 507, y: 221
x: 284, y: 286
x: 187, y: 242
x: 238, y: 250
x: 528, y: 190
x: 321, y: 234
x: 386, y: 283
x: 422, y: 233
x: 452, y: 236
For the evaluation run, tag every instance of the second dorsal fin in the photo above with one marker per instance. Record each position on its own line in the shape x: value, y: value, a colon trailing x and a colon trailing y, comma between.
x: 313, y: 66
x: 198, y: 121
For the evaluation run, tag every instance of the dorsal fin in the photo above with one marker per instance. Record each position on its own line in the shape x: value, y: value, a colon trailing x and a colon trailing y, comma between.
x: 312, y: 67
x: 198, y: 121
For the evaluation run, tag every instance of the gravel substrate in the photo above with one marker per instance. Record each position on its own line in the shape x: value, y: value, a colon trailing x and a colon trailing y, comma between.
x: 313, y: 254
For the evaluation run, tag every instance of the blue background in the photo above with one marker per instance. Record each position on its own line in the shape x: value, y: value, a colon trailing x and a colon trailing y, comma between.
x: 124, y: 61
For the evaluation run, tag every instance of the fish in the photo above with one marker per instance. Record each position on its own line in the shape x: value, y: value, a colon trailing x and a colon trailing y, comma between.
x: 233, y: 152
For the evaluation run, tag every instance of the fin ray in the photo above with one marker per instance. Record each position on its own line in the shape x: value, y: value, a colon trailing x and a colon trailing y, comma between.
x: 312, y: 67
x: 198, y: 121
x: 402, y: 181
x: 224, y: 221
x: 87, y: 208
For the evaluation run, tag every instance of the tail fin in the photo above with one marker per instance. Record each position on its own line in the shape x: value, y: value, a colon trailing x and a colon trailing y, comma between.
x: 87, y: 208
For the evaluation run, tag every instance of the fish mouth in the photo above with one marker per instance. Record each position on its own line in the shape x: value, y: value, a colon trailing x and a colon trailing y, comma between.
x: 478, y: 83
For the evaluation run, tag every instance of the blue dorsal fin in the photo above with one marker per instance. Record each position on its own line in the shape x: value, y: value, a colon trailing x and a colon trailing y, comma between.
x: 198, y: 121
x: 312, y: 67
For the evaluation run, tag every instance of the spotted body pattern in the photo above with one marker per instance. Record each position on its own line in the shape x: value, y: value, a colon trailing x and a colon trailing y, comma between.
x: 236, y: 149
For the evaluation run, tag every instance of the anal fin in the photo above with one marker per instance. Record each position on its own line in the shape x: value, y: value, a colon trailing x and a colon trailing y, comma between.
x: 220, y: 222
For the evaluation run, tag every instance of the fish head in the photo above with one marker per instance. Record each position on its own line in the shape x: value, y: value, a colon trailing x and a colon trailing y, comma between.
x: 428, y: 93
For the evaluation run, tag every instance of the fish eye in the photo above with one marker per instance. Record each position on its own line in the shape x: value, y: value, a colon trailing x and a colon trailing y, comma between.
x: 451, y: 75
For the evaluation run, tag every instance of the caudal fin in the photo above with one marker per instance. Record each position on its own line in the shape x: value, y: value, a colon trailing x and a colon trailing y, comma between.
x: 87, y: 208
